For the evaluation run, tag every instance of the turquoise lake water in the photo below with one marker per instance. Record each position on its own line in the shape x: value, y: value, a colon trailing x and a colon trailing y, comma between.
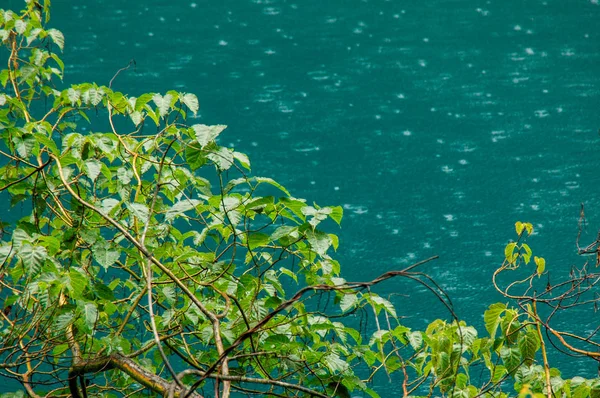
x: 435, y: 124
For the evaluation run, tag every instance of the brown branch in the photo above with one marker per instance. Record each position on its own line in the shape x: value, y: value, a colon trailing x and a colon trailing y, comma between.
x: 36, y: 170
x: 243, y: 379
x: 117, y: 361
x: 347, y: 286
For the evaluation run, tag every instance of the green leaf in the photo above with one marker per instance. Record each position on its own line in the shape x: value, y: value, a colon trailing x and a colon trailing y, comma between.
x: 3, y: 74
x: 92, y: 96
x: 104, y: 292
x: 78, y: 283
x: 508, y: 251
x: 90, y: 314
x: 43, y: 139
x: 492, y: 319
x: 335, y: 363
x: 527, y: 254
x: 142, y: 100
x: 319, y: 241
x: 195, y: 157
x: 20, y: 26
x: 162, y: 103
x: 336, y: 214
x: 223, y: 158
x: 380, y: 302
x: 529, y: 228
x: 272, y: 182
x: 285, y: 231
x: 335, y: 241
x: 24, y: 144
x: 179, y: 208
x: 295, y: 205
x: 206, y: 134
x: 5, y: 252
x: 540, y: 263
x: 139, y: 210
x: 529, y: 343
x: 519, y: 226
x: 497, y: 373
x: 191, y: 101
x: 348, y: 301
x: 63, y: 321
x: 581, y: 391
x: 105, y: 256
x: 415, y: 339
x: 136, y: 117
x: 170, y: 294
x: 33, y: 257
x: 243, y: 159
x: 257, y: 239
x: 73, y: 95
x: 57, y: 38
x: 511, y: 358
x: 20, y: 237
x: 93, y: 168
x: 108, y: 204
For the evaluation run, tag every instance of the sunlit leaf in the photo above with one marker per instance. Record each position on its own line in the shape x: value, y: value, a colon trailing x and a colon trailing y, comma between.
x: 77, y: 282
x: 223, y: 158
x: 319, y: 241
x: 105, y: 256
x: 540, y: 263
x: 139, y: 210
x: 257, y: 239
x: 509, y: 250
x: 348, y: 302
x: 57, y: 38
x: 90, y: 314
x: 33, y: 257
x: 491, y: 318
x: 163, y: 103
x: 191, y: 101
x: 205, y: 134
x: 92, y: 168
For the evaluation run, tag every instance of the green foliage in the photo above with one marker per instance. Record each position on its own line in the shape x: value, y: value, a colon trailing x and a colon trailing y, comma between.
x: 155, y: 210
x: 149, y: 262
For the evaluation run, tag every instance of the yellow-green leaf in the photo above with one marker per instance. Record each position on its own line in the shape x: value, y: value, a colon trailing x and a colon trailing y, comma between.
x: 519, y: 227
x: 541, y: 265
